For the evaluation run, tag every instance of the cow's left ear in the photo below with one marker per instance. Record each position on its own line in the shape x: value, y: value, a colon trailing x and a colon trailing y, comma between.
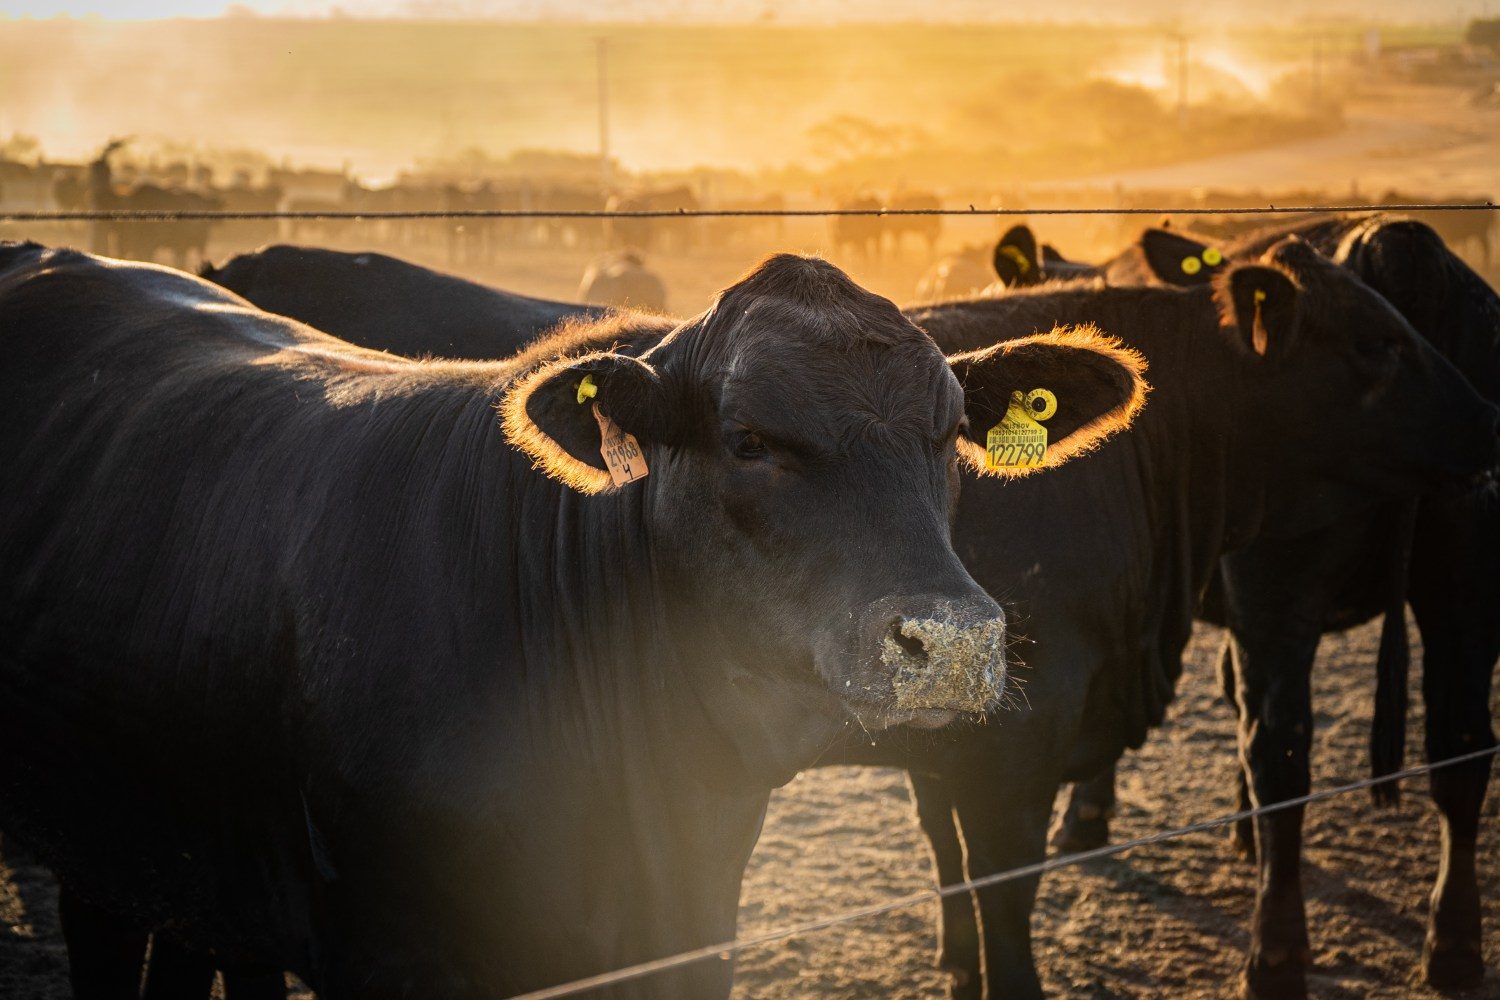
x: 1261, y: 303
x: 1079, y: 385
x: 1178, y: 260
x: 551, y: 415
x: 1016, y: 259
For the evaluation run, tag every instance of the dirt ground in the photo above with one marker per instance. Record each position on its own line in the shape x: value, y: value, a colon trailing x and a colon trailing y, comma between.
x: 1168, y: 920
x: 1164, y: 921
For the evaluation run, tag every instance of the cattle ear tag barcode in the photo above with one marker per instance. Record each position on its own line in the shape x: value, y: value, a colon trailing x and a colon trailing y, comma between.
x: 622, y: 452
x: 1019, y: 439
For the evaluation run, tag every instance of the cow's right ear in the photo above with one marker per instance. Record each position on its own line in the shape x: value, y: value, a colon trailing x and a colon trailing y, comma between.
x: 1178, y: 260
x: 550, y: 414
x: 1016, y: 260
x: 1082, y: 386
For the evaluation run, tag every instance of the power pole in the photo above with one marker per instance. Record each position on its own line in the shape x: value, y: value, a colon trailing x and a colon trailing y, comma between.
x: 601, y: 50
x: 1182, y: 79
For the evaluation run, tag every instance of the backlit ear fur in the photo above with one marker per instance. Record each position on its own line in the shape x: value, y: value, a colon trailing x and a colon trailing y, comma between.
x: 1099, y: 383
x: 1262, y: 303
x: 542, y: 416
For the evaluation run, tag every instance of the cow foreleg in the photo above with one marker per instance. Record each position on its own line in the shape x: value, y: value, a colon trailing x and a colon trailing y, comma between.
x: 1084, y: 824
x: 1273, y: 690
x: 958, y: 932
x: 1457, y: 664
x: 1003, y: 828
x: 105, y: 954
x: 176, y: 974
x: 1242, y: 834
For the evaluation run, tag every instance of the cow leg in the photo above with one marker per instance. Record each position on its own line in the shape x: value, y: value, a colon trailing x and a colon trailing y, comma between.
x: 1459, y: 655
x: 1005, y: 827
x: 175, y: 974
x: 1084, y: 824
x: 1242, y: 834
x: 958, y: 932
x: 1275, y: 734
x: 105, y: 954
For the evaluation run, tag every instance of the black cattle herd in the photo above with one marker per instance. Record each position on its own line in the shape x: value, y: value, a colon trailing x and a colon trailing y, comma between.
x: 425, y: 639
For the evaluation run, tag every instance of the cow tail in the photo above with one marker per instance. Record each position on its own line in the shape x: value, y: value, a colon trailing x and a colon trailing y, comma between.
x: 1392, y: 663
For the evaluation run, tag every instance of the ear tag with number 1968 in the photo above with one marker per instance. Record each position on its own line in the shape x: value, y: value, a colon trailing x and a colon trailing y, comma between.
x: 622, y: 452
x: 1019, y: 440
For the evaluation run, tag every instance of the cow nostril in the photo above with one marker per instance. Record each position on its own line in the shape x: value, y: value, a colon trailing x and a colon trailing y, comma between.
x: 910, y: 645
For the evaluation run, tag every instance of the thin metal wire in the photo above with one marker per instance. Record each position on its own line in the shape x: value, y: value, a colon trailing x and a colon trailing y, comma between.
x: 724, y: 950
x: 715, y: 213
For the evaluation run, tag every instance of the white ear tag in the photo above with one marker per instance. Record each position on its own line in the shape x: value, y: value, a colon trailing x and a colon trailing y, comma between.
x: 621, y: 451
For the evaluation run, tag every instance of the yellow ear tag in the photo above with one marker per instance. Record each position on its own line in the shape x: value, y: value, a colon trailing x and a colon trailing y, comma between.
x: 1260, y: 296
x: 1014, y: 253
x: 1018, y: 440
x: 621, y: 451
x: 1191, y: 265
x: 1212, y: 257
x: 587, y: 390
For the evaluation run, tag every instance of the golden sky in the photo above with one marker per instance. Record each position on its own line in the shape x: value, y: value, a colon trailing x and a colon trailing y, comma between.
x: 1223, y: 11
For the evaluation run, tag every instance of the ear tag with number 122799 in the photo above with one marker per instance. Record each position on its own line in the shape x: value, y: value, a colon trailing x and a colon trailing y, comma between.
x: 1019, y: 440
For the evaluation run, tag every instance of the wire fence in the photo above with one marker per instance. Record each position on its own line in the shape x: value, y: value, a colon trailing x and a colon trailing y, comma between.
x: 199, y: 215
x: 724, y: 950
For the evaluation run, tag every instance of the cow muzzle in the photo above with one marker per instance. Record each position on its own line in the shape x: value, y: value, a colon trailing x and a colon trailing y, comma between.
x: 949, y: 657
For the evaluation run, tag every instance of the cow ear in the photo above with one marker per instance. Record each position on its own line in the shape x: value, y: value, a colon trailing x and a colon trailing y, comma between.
x: 1092, y: 384
x: 1016, y: 260
x: 1178, y: 260
x: 550, y: 414
x: 1261, y: 304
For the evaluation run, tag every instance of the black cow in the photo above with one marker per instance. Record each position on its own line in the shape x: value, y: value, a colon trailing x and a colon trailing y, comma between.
x: 366, y: 298
x: 320, y: 659
x: 1282, y: 393
x: 1020, y: 262
x: 1278, y: 597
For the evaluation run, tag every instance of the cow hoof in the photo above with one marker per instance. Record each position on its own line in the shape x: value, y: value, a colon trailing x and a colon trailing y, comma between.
x: 963, y: 984
x: 1457, y: 966
x: 1240, y: 845
x: 1076, y: 834
x: 1267, y: 978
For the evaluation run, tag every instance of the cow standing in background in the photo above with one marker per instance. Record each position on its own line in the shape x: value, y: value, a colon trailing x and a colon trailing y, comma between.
x: 858, y: 236
x: 622, y: 280
x: 185, y: 240
x: 1266, y: 414
x: 1277, y: 598
x: 661, y: 234
x: 305, y: 665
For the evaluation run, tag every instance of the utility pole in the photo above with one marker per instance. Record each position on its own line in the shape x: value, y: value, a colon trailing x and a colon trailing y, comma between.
x: 1182, y: 79
x: 601, y: 50
x: 1317, y: 75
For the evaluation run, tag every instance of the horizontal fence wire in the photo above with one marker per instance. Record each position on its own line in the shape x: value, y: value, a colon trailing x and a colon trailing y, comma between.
x: 723, y: 951
x: 208, y: 215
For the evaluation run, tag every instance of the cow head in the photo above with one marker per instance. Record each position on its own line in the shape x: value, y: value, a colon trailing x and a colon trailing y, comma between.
x: 803, y: 440
x: 1175, y: 259
x: 1020, y: 262
x: 1352, y: 404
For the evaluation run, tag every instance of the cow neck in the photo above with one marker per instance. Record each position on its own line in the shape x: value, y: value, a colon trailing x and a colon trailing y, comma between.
x: 610, y: 745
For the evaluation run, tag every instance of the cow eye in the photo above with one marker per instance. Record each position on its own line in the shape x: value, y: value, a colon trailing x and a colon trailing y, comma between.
x: 749, y: 446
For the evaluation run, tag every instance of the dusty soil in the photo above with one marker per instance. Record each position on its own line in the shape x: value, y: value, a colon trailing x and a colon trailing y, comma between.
x: 1164, y: 921
x: 1168, y: 920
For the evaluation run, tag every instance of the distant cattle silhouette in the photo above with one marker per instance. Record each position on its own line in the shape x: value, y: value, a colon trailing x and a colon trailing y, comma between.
x: 623, y: 279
